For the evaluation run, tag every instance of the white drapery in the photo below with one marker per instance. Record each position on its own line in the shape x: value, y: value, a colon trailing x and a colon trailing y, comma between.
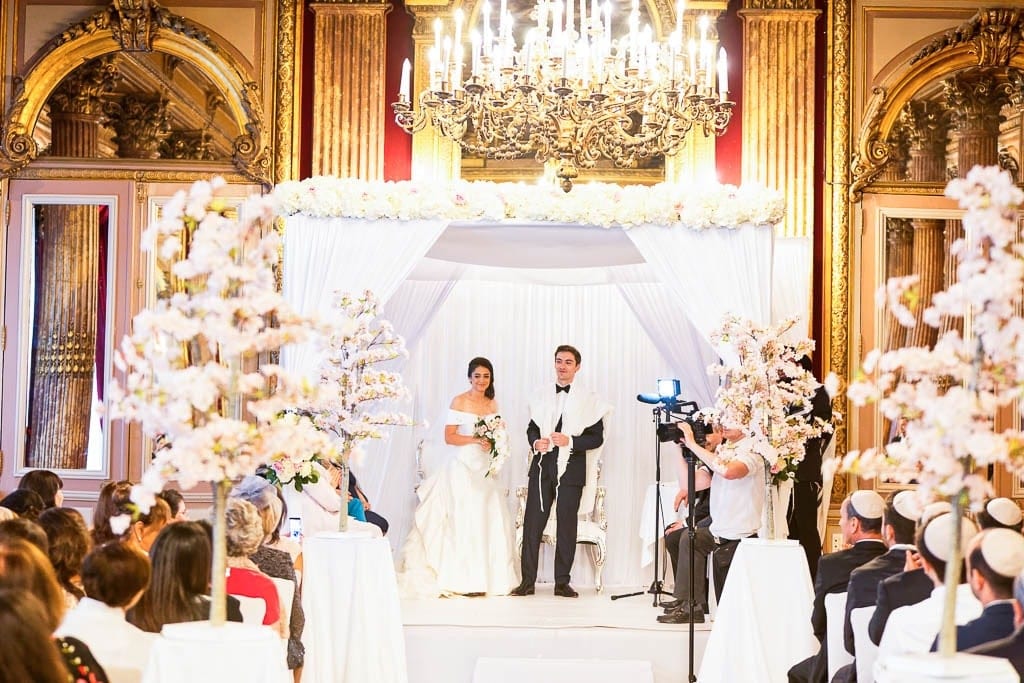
x: 318, y: 262
x: 791, y: 278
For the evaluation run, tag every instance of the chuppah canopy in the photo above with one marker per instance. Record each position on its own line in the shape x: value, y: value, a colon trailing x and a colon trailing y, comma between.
x: 638, y: 277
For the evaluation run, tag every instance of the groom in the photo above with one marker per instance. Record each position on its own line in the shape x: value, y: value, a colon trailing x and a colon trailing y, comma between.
x: 566, y: 421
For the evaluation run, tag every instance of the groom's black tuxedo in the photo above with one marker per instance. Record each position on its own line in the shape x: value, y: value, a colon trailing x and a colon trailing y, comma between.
x: 541, y: 493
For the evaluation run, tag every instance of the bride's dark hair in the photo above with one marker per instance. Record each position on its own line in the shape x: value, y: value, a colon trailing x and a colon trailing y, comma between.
x: 481, y: 362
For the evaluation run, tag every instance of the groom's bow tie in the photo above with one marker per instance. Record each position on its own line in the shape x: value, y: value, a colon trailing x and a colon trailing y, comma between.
x: 565, y: 388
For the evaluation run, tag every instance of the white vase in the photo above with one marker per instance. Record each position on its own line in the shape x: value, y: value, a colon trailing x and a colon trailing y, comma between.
x: 776, y: 508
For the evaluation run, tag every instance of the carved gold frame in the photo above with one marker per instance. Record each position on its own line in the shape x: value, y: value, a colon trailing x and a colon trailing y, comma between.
x: 104, y: 33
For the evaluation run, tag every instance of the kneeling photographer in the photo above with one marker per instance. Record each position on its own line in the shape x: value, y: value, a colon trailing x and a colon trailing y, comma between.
x: 737, y: 486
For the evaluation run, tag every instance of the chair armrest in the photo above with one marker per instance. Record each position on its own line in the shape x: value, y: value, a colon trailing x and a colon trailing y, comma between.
x: 599, y: 513
x: 420, y: 474
x: 521, y: 508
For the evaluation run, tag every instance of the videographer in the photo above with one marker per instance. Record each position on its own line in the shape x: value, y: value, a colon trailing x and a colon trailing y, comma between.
x: 737, y: 498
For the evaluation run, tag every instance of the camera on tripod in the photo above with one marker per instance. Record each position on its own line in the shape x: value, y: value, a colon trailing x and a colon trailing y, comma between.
x: 670, y: 431
x: 668, y: 397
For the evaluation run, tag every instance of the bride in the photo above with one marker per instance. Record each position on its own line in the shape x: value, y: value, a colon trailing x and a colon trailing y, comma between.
x: 461, y: 538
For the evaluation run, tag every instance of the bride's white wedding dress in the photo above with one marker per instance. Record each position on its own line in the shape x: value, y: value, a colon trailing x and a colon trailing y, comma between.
x: 461, y: 538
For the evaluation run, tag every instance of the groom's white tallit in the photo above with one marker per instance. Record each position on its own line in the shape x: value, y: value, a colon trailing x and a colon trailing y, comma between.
x: 581, y: 409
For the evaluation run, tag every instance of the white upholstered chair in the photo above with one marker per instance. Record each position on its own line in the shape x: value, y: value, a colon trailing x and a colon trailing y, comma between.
x: 867, y: 651
x: 253, y: 609
x: 592, y: 524
x: 835, y: 618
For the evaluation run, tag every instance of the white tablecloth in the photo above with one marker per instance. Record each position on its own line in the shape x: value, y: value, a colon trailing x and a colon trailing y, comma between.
x: 763, y: 623
x: 196, y: 652
x: 353, y: 624
x: 538, y: 670
x: 669, y: 489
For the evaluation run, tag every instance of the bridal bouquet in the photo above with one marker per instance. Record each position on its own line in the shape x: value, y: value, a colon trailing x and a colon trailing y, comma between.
x: 494, y: 430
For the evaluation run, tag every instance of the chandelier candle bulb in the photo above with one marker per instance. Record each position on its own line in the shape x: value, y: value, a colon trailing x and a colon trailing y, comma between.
x: 569, y: 20
x: 405, y: 89
x: 680, y: 6
x: 487, y: 29
x: 723, y: 75
x: 437, y: 35
x: 474, y: 41
x: 608, y: 26
x: 458, y: 26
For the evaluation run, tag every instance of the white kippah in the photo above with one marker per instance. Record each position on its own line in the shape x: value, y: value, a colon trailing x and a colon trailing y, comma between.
x: 1004, y: 511
x: 868, y: 504
x: 938, y: 535
x: 933, y: 510
x: 906, y: 504
x: 1003, y: 550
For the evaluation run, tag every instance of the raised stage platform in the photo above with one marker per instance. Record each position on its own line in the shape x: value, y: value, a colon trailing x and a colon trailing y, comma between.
x: 444, y: 637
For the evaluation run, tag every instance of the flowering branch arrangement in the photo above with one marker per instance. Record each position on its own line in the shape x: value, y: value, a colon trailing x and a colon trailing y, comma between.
x: 948, y: 396
x: 768, y: 394
x: 602, y: 204
x: 191, y: 376
x: 495, y: 430
x: 358, y: 342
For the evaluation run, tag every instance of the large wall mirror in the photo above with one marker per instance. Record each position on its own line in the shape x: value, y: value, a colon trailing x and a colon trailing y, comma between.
x: 66, y: 289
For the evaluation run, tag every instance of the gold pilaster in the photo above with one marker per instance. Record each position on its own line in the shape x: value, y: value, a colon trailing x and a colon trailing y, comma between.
x: 953, y: 231
x: 974, y: 101
x: 433, y: 157
x: 141, y: 125
x: 928, y: 263
x: 348, y: 89
x: 927, y: 127
x: 899, y: 241
x: 778, y: 108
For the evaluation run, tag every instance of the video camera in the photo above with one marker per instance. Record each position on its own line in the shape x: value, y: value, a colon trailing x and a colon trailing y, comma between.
x: 685, y: 411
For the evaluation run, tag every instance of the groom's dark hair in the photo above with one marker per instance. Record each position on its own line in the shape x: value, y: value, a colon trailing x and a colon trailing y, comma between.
x: 569, y: 349
x: 481, y: 362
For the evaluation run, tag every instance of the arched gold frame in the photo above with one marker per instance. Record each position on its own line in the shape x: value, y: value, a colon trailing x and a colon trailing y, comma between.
x: 103, y: 34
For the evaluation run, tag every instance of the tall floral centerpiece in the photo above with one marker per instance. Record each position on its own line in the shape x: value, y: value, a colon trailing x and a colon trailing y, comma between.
x: 190, y: 371
x: 949, y: 395
x: 355, y: 384
x: 767, y: 395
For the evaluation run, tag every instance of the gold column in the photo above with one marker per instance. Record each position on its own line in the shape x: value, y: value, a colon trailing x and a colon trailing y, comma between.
x: 141, y: 126
x: 974, y: 101
x: 778, y: 104
x: 66, y: 295
x: 434, y: 157
x: 899, y: 241
x: 348, y: 89
x: 928, y: 262
x: 927, y: 127
x: 954, y: 230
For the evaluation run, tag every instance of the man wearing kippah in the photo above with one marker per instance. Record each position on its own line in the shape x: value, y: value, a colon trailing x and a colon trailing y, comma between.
x: 995, y: 557
x: 1011, y: 647
x: 860, y: 519
x: 912, y: 629
x: 1000, y: 513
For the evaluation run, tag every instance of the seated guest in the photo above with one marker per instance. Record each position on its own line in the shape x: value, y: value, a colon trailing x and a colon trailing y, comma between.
x: 25, y: 530
x: 1000, y: 513
x: 860, y: 520
x: 143, y: 531
x: 26, y: 504
x: 275, y: 563
x: 912, y: 628
x: 279, y: 541
x: 1011, y: 647
x: 322, y: 504
x: 69, y: 542
x: 356, y: 493
x: 114, y: 577
x: 910, y: 586
x: 27, y: 652
x: 113, y: 500
x: 24, y: 569
x: 737, y: 498
x: 701, y: 510
x: 995, y: 557
x: 179, y: 585
x: 176, y: 502
x: 46, y: 484
x: 245, y: 535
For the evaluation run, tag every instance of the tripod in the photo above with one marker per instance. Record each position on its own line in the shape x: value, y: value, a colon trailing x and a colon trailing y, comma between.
x: 657, y: 586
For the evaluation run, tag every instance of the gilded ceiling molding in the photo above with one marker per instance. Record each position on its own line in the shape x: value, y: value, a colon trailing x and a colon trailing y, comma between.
x: 124, y: 25
x: 991, y: 39
x: 778, y: 4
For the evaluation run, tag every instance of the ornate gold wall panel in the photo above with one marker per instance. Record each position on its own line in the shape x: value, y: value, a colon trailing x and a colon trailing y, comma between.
x: 348, y: 89
x: 287, y: 90
x: 778, y: 109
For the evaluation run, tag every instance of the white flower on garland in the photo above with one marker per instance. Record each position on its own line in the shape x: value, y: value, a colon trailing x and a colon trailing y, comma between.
x: 768, y: 394
x: 949, y: 395
x: 603, y: 204
x: 190, y: 376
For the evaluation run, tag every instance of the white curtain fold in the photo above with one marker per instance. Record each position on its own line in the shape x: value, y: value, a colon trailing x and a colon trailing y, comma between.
x: 712, y: 272
x: 326, y: 255
x: 791, y: 281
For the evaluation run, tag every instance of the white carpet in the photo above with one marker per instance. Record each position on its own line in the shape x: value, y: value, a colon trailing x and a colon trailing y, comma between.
x: 444, y: 637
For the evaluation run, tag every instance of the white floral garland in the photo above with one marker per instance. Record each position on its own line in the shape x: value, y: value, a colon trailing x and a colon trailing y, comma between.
x: 601, y: 204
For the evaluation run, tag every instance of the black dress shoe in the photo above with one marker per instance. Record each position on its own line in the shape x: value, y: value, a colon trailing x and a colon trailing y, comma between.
x: 523, y: 589
x: 564, y: 590
x: 681, y: 615
x: 670, y: 605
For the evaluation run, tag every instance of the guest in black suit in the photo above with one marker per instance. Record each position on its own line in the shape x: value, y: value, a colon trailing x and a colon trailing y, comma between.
x: 860, y: 519
x: 995, y: 557
x: 1000, y: 513
x: 1011, y: 647
x: 356, y: 492
x: 907, y: 588
x: 803, y: 514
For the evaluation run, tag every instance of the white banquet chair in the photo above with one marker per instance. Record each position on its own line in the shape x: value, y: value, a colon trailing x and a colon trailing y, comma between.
x: 286, y: 595
x: 835, y: 617
x: 866, y: 651
x: 253, y: 609
x: 592, y: 524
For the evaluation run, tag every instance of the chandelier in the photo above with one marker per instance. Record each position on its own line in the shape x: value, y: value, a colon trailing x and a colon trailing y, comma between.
x: 568, y: 92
